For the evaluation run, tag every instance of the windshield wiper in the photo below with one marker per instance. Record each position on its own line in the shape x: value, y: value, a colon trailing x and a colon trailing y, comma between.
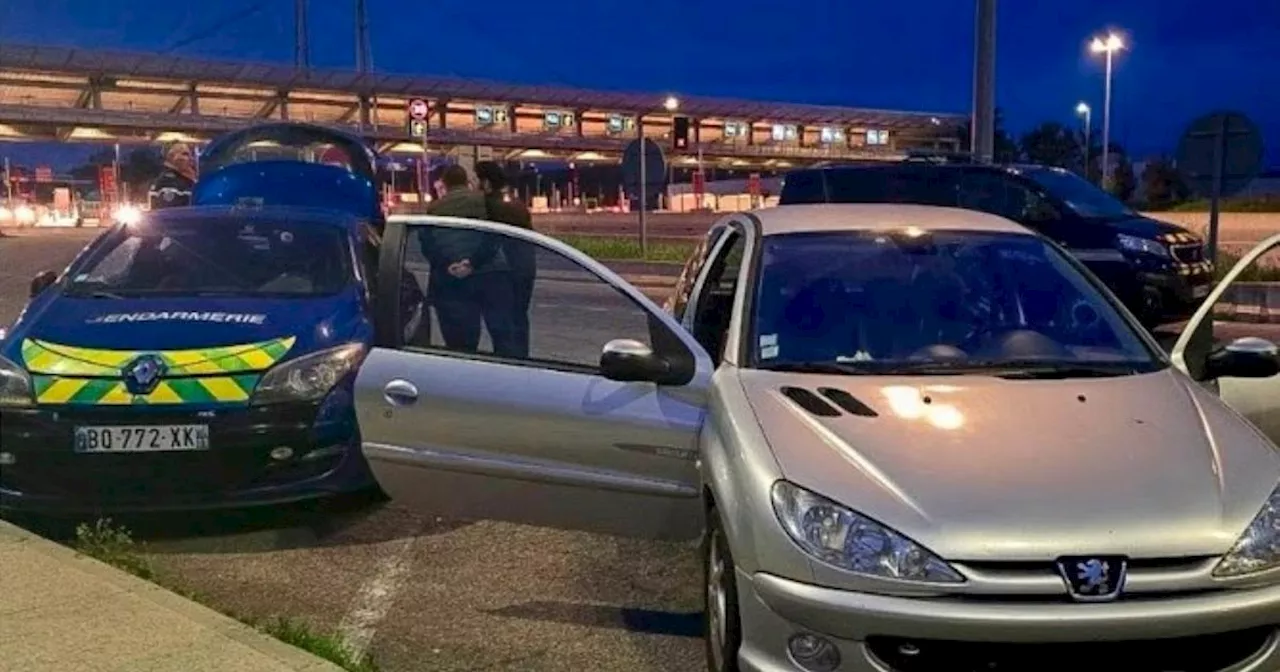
x: 1066, y: 370
x: 818, y: 367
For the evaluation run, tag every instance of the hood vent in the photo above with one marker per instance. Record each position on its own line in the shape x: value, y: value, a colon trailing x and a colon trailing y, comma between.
x: 810, y: 402
x: 848, y: 402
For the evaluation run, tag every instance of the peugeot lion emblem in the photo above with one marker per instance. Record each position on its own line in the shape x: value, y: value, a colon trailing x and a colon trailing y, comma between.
x: 1093, y: 579
x: 143, y: 374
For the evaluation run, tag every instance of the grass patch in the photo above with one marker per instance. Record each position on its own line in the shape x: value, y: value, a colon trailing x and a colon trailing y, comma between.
x: 115, y: 546
x: 1259, y: 271
x: 620, y: 248
x: 1265, y: 203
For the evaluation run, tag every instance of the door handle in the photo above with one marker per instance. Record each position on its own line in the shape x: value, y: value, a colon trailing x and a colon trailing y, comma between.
x: 400, y: 392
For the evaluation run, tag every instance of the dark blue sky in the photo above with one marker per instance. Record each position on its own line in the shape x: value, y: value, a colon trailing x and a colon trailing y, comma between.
x: 1188, y: 56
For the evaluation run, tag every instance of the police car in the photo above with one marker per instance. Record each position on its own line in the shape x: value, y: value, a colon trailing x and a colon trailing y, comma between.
x: 202, y: 356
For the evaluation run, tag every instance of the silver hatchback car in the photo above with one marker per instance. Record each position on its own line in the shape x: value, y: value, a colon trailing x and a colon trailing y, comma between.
x: 912, y: 438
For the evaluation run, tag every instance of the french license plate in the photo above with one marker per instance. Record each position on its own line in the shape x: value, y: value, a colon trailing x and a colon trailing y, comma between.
x: 1201, y: 291
x: 141, y: 438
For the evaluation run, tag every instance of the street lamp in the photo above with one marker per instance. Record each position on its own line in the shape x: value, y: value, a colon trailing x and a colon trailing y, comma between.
x: 1109, y: 46
x: 1082, y: 109
x: 671, y: 104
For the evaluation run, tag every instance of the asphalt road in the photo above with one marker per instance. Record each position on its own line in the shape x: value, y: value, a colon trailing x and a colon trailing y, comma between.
x: 424, y: 594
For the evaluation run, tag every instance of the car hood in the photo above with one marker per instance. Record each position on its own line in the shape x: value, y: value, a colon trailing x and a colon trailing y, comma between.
x: 1145, y: 227
x: 981, y: 468
x: 180, y: 323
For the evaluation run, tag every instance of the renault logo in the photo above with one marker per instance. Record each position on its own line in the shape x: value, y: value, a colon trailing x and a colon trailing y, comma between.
x: 143, y: 374
x: 1093, y: 578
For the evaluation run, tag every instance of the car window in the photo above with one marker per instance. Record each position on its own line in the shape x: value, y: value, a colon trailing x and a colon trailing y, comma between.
x: 714, y: 307
x: 681, y: 294
x: 908, y: 185
x: 516, y: 300
x: 216, y: 255
x: 1078, y: 194
x: 802, y: 186
x: 890, y: 300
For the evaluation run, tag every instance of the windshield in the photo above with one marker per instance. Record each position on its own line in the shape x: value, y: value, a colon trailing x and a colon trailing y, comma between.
x: 885, y: 302
x: 217, y: 257
x: 1079, y: 194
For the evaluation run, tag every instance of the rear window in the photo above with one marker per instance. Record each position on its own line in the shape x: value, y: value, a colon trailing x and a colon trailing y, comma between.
x: 915, y: 187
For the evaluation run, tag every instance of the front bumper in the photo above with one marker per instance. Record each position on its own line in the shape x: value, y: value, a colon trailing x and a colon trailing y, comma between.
x: 44, y: 474
x: 1174, y: 297
x: 1234, y: 630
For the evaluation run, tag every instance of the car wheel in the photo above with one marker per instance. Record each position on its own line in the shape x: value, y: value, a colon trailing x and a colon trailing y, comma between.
x: 720, y: 616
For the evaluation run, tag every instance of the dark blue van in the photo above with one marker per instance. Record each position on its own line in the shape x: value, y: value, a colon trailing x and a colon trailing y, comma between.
x: 1157, y: 269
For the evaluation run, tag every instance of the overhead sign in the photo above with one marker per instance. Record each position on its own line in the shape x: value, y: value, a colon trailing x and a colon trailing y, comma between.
x: 419, y: 109
x: 1225, y: 142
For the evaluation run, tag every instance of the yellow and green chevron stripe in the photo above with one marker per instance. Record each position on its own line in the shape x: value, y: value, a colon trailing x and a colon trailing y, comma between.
x: 65, y: 374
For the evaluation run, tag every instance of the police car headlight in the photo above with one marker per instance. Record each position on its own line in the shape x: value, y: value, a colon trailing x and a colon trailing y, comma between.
x: 309, y: 378
x: 1142, y: 246
x: 1258, y: 549
x: 838, y: 536
x: 15, y: 385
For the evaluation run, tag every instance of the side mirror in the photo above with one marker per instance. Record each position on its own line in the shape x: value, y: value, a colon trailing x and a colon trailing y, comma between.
x: 42, y: 281
x: 1247, y: 357
x: 626, y: 360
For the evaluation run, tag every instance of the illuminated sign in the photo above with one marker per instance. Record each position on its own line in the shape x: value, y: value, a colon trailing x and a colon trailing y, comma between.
x: 418, y: 109
x: 877, y: 137
x: 832, y: 135
x: 417, y: 128
x: 784, y: 132
x: 489, y: 115
x: 619, y: 123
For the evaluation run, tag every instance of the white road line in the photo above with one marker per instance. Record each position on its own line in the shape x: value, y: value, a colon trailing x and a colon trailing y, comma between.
x: 375, y: 597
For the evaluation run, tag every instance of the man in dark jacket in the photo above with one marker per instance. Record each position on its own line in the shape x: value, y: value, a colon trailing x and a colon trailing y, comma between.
x: 177, y: 179
x: 520, y: 256
x: 464, y: 288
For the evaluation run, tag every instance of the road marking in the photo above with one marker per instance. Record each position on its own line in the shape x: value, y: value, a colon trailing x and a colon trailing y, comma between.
x: 375, y: 597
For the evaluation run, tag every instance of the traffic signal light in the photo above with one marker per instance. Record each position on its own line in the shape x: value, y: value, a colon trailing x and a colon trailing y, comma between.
x: 680, y: 132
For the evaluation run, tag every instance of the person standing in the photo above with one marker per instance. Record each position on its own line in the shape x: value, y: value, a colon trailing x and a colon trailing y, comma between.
x: 176, y: 181
x: 521, y: 256
x: 465, y: 288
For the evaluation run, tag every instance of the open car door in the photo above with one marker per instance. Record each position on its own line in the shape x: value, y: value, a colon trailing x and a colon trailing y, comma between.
x: 591, y: 423
x: 1230, y: 342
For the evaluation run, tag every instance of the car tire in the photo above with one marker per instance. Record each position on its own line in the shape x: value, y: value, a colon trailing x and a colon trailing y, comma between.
x: 721, y: 619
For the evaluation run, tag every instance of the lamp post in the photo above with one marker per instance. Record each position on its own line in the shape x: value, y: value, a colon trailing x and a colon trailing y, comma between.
x: 1083, y: 110
x: 671, y: 104
x: 1109, y: 46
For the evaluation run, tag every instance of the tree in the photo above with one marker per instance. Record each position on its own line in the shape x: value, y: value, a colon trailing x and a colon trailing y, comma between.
x: 1052, y: 144
x: 137, y: 168
x: 1123, y: 181
x: 1162, y: 186
x: 1005, y: 149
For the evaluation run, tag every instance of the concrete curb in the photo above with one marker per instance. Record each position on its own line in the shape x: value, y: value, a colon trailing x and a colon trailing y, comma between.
x: 288, y: 656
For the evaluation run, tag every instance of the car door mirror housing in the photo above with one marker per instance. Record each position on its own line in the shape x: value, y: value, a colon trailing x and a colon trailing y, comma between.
x: 1247, y: 357
x: 42, y: 281
x: 626, y: 360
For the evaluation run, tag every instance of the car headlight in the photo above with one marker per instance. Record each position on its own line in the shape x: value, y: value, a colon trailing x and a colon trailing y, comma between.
x: 837, y: 536
x: 15, y: 385
x: 1142, y: 246
x: 1259, y: 547
x: 309, y: 378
